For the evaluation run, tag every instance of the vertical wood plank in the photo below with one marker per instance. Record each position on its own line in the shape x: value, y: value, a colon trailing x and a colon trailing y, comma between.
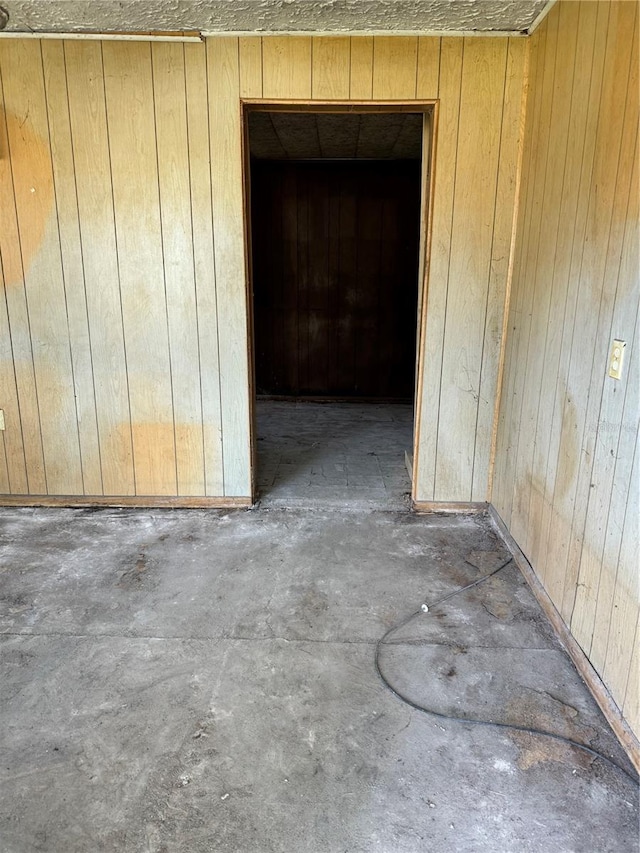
x: 505, y: 200
x: 532, y: 317
x: 575, y: 148
x: 71, y: 249
x: 557, y: 90
x: 132, y: 142
x: 611, y: 476
x: 394, y: 68
x: 568, y: 254
x: 286, y: 66
x: 575, y: 484
x: 504, y: 474
x: 626, y: 601
x: 604, y: 289
x: 447, y: 145
x: 15, y: 466
x: 590, y: 272
x: 17, y: 352
x: 228, y: 212
x: 204, y: 264
x: 361, y: 68
x: 631, y: 706
x: 32, y: 172
x: 483, y: 77
x: 330, y: 68
x: 5, y: 486
x: 250, y: 67
x: 87, y: 113
x: 177, y: 239
x: 428, y: 76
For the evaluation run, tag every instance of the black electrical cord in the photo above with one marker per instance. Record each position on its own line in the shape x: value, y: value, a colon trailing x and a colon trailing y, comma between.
x: 427, y: 608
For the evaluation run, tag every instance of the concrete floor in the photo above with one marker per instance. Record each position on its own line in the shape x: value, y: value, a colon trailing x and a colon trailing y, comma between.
x: 332, y: 453
x: 204, y: 681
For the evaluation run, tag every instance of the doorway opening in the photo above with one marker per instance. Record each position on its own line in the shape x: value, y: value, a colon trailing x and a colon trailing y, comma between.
x: 337, y: 200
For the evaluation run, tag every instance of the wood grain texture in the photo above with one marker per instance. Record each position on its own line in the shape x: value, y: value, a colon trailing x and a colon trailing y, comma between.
x: 196, y: 92
x: 72, y: 263
x: 145, y: 156
x: 469, y: 266
x: 502, y: 236
x: 330, y: 68
x: 343, y: 323
x: 132, y: 141
x: 228, y: 224
x: 567, y: 476
x: 250, y: 57
x: 435, y: 315
x: 41, y: 261
x: 361, y: 68
x: 286, y: 67
x: 428, y: 71
x: 176, y: 216
x: 620, y: 723
x: 92, y: 165
x: 395, y: 64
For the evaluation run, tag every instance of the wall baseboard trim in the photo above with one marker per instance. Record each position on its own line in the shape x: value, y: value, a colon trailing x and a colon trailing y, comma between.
x: 598, y: 689
x: 450, y: 507
x: 142, y: 502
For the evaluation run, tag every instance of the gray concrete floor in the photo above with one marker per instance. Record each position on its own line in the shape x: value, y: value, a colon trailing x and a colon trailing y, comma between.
x: 204, y: 681
x: 332, y: 453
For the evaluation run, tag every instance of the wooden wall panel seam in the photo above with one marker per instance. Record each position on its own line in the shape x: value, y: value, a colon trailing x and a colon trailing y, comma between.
x: 13, y: 386
x: 601, y: 352
x: 470, y: 262
x: 84, y: 278
x: 569, y: 590
x: 550, y: 366
x: 574, y: 483
x: 40, y: 462
x: 501, y: 376
x: 215, y: 269
x: 504, y: 463
x: 590, y: 495
x: 436, y: 420
x: 547, y: 237
x: 117, y: 255
x: 488, y: 294
x: 589, y: 608
x: 544, y: 133
x: 152, y: 49
x: 206, y: 287
x: 62, y: 269
x: 574, y: 280
x: 583, y: 182
x: 193, y: 261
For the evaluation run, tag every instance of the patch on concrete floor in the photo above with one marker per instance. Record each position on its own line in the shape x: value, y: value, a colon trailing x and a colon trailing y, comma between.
x: 134, y: 577
x: 487, y: 561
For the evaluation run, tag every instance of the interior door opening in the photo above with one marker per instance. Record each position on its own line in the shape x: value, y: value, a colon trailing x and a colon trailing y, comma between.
x: 336, y: 205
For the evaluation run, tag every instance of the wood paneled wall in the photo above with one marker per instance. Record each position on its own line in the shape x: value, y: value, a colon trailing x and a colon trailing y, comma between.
x: 124, y: 363
x: 335, y: 277
x: 567, y: 476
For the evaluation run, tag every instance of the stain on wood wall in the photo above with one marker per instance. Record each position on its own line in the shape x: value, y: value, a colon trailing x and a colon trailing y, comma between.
x: 335, y: 277
x: 124, y: 366
x: 567, y: 479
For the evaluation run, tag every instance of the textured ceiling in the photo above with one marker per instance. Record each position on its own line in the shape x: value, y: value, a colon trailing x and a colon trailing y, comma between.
x: 272, y: 15
x: 311, y: 136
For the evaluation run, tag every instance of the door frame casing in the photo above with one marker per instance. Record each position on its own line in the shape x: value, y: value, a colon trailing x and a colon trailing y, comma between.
x: 429, y: 109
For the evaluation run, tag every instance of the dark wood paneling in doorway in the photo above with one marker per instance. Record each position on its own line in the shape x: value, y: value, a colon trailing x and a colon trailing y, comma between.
x: 335, y: 276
